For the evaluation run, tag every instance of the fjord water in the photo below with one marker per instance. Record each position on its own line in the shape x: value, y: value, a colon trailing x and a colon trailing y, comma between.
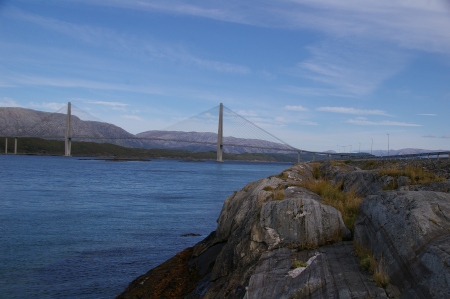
x: 73, y: 228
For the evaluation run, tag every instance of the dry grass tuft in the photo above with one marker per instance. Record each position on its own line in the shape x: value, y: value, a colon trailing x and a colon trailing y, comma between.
x: 298, y: 264
x: 417, y: 175
x: 277, y: 193
x: 380, y: 276
x: 346, y: 202
x: 368, y: 263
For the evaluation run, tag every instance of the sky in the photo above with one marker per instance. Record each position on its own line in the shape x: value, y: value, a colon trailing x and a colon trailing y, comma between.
x: 318, y: 74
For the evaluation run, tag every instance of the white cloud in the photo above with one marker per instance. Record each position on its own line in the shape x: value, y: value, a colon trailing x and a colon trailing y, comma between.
x: 132, y: 117
x: 349, y: 67
x: 291, y: 120
x: 247, y: 113
x: 31, y: 80
x: 361, y: 121
x: 8, y: 102
x: 349, y: 110
x: 113, y: 104
x: 295, y: 108
x: 52, y: 107
x: 415, y: 24
x: 105, y: 37
x: 308, y: 91
x: 222, y: 67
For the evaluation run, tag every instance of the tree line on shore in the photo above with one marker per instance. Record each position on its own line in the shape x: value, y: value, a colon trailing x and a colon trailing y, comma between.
x: 37, y: 146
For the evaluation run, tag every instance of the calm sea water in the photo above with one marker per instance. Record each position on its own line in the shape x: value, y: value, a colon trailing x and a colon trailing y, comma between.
x: 75, y: 228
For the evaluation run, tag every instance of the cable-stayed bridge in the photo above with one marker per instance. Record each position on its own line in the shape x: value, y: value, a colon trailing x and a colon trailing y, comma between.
x: 218, y: 128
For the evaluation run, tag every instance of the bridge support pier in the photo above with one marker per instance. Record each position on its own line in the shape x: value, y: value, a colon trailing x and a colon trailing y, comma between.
x: 68, y: 135
x: 6, y: 145
x: 220, y: 135
x: 15, y: 145
x: 298, y: 156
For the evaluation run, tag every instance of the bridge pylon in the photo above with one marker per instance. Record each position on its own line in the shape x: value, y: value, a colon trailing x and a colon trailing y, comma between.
x: 220, y: 135
x: 68, y: 134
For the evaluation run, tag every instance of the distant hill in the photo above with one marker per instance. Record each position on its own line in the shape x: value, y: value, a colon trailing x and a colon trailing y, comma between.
x: 21, y: 122
x: 195, y: 141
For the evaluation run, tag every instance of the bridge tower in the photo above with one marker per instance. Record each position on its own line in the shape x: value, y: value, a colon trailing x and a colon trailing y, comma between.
x: 68, y: 135
x: 220, y: 135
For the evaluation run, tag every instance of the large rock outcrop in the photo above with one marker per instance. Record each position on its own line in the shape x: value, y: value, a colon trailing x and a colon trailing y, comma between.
x: 276, y: 239
x: 410, y: 233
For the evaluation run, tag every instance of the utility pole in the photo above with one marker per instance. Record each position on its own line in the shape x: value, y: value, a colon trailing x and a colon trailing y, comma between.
x: 388, y: 144
x: 220, y: 135
x: 371, y: 146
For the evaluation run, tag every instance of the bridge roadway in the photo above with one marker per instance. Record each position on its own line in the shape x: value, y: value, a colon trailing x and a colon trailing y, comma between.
x: 288, y: 148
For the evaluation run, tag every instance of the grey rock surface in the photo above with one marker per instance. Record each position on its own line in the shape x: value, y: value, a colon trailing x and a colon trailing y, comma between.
x: 410, y: 232
x: 332, y: 271
x: 362, y: 182
x: 300, y: 221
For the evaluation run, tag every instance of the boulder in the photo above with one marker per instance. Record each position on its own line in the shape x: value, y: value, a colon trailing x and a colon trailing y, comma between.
x: 300, y: 221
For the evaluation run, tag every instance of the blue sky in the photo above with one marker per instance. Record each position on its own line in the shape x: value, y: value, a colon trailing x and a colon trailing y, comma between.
x: 319, y: 74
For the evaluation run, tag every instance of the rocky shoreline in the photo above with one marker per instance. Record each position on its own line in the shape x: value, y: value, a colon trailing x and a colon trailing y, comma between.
x: 277, y: 239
